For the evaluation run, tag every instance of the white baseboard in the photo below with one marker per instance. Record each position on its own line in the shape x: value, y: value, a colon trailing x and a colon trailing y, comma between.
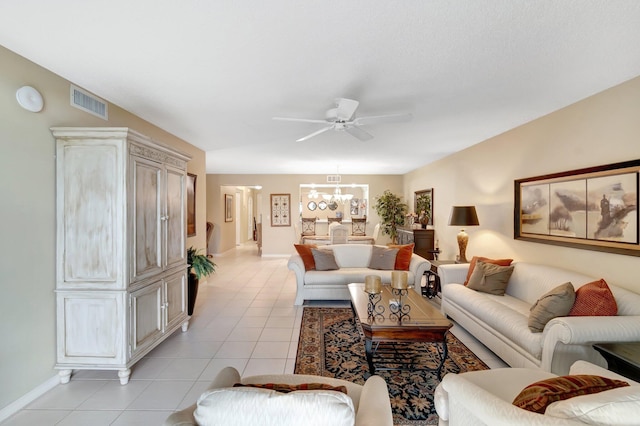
x: 28, y: 398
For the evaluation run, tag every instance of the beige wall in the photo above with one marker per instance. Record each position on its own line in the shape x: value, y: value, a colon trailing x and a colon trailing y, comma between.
x: 27, y: 243
x: 278, y: 241
x: 600, y: 130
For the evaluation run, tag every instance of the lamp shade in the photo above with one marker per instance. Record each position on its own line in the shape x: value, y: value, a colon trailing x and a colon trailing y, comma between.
x: 463, y: 216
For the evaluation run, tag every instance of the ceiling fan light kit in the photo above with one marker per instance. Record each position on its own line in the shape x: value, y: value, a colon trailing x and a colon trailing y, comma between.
x: 343, y: 118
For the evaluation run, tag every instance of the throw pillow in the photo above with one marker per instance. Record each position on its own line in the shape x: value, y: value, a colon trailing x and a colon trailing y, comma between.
x: 594, y: 299
x: 537, y: 396
x: 475, y: 259
x: 403, y: 259
x: 383, y: 258
x: 286, y: 388
x: 324, y: 259
x: 490, y: 278
x: 613, y: 407
x: 304, y: 250
x: 557, y: 302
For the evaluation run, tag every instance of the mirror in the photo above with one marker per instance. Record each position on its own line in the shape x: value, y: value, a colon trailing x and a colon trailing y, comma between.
x: 326, y: 201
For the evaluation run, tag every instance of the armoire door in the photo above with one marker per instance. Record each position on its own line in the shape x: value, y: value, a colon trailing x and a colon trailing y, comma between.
x: 175, y: 217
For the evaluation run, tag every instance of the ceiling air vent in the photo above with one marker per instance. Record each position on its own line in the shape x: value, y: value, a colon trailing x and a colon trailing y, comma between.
x: 333, y: 178
x: 87, y: 102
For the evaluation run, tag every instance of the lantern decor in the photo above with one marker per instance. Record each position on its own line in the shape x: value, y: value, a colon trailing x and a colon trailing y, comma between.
x: 373, y: 286
x: 400, y: 289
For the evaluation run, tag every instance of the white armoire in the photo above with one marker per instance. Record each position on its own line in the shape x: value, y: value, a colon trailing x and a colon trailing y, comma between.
x: 121, y: 279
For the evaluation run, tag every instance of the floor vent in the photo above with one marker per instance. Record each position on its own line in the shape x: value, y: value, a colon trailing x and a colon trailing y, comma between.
x: 87, y: 102
x: 333, y: 178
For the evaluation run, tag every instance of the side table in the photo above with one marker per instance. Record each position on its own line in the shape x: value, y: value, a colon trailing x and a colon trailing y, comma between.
x: 433, y: 280
x: 622, y: 358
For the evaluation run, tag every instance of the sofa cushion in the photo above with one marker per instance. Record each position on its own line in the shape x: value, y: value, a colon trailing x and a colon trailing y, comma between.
x: 594, y: 299
x: 304, y: 250
x: 554, y: 303
x: 253, y: 406
x: 345, y: 276
x: 475, y: 259
x: 618, y: 406
x: 537, y: 396
x: 383, y: 258
x: 324, y: 259
x: 403, y: 259
x: 490, y: 278
x: 352, y: 255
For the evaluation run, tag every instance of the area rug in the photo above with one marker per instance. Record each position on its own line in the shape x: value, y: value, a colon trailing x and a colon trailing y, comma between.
x: 332, y: 345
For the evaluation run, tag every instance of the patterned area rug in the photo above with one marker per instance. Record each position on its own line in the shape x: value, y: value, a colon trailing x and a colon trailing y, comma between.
x: 332, y: 344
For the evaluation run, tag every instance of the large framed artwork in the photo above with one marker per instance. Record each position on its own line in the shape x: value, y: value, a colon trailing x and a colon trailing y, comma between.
x: 191, y: 205
x: 280, y: 209
x: 594, y: 208
x: 228, y: 208
x: 423, y: 201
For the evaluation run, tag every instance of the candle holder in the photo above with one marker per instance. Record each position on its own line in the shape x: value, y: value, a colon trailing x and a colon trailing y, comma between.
x: 399, y: 311
x: 375, y: 310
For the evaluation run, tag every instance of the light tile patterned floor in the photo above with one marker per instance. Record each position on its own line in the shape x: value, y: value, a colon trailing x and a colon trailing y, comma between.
x: 244, y: 317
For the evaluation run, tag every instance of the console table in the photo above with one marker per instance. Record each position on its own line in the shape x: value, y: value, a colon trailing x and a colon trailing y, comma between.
x: 422, y: 238
x: 622, y: 358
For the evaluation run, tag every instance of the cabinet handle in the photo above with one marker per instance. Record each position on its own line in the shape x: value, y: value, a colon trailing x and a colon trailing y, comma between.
x: 164, y: 217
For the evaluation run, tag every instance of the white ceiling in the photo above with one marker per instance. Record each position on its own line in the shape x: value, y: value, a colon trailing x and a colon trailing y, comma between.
x: 215, y: 72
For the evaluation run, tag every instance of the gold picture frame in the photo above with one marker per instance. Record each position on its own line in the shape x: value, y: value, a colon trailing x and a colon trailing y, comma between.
x: 420, y: 195
x: 191, y: 205
x: 228, y: 208
x: 594, y: 208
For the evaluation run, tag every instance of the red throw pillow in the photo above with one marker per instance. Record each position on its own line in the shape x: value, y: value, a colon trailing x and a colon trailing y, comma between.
x: 537, y: 396
x: 475, y: 259
x: 594, y: 299
x: 304, y: 250
x: 403, y: 258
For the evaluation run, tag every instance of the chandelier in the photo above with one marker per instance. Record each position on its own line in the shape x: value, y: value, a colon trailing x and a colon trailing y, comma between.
x: 337, y: 196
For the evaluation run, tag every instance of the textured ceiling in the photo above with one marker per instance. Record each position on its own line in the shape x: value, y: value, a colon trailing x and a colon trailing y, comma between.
x: 215, y: 72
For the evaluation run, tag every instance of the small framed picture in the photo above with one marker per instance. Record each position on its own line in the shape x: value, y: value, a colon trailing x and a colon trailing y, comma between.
x: 280, y: 209
x: 228, y: 208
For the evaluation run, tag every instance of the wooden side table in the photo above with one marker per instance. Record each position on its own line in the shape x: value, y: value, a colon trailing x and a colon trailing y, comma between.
x: 433, y: 280
x: 622, y: 358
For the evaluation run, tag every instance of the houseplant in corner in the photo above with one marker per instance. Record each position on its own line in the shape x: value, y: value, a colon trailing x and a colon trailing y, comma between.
x: 199, y: 266
x: 391, y: 210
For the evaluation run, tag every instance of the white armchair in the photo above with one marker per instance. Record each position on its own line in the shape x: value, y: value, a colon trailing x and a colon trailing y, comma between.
x: 485, y: 398
x: 370, y: 401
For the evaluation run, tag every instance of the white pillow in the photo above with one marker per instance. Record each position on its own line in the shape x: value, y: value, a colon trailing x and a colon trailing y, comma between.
x: 254, y: 406
x: 620, y: 406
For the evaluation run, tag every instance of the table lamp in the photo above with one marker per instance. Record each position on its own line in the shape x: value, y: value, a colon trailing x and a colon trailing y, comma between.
x: 463, y: 216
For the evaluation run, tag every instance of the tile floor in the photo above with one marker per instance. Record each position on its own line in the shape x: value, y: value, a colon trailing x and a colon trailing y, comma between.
x: 244, y: 317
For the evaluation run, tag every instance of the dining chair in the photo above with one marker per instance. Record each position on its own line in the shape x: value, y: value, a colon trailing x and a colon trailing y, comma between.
x: 376, y: 232
x: 339, y: 234
x: 308, y: 226
x: 331, y: 220
x: 359, y: 226
x: 297, y: 237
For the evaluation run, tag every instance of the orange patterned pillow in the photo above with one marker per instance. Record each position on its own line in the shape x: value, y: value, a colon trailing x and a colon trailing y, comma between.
x: 594, y: 299
x: 403, y: 258
x: 475, y: 259
x: 286, y: 388
x: 304, y: 250
x: 537, y: 396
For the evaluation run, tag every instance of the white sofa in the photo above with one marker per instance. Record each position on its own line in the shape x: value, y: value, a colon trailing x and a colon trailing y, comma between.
x: 501, y: 322
x: 353, y: 260
x: 370, y: 402
x: 485, y: 397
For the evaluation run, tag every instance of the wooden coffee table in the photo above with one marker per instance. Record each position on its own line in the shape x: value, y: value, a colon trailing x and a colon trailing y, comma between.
x: 424, y: 324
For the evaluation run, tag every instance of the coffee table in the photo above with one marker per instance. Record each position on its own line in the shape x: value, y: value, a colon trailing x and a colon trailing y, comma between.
x: 424, y: 324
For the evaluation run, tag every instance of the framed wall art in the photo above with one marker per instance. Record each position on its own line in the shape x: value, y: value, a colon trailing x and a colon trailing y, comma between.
x: 594, y: 208
x: 228, y: 208
x: 191, y: 205
x: 280, y: 209
x: 423, y: 201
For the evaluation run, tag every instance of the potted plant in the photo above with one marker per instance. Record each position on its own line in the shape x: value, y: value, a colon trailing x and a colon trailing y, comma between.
x: 391, y: 210
x: 198, y: 266
x: 423, y: 207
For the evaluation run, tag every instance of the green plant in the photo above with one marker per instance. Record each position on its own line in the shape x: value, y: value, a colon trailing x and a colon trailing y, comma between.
x: 392, y: 211
x: 200, y: 264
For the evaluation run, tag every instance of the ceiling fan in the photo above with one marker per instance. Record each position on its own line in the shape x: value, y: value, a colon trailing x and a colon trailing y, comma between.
x: 343, y: 118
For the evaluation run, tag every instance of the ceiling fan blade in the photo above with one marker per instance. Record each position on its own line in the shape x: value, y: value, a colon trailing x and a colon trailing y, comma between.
x: 301, y: 120
x: 346, y: 108
x: 358, y: 133
x: 316, y: 133
x: 388, y: 118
